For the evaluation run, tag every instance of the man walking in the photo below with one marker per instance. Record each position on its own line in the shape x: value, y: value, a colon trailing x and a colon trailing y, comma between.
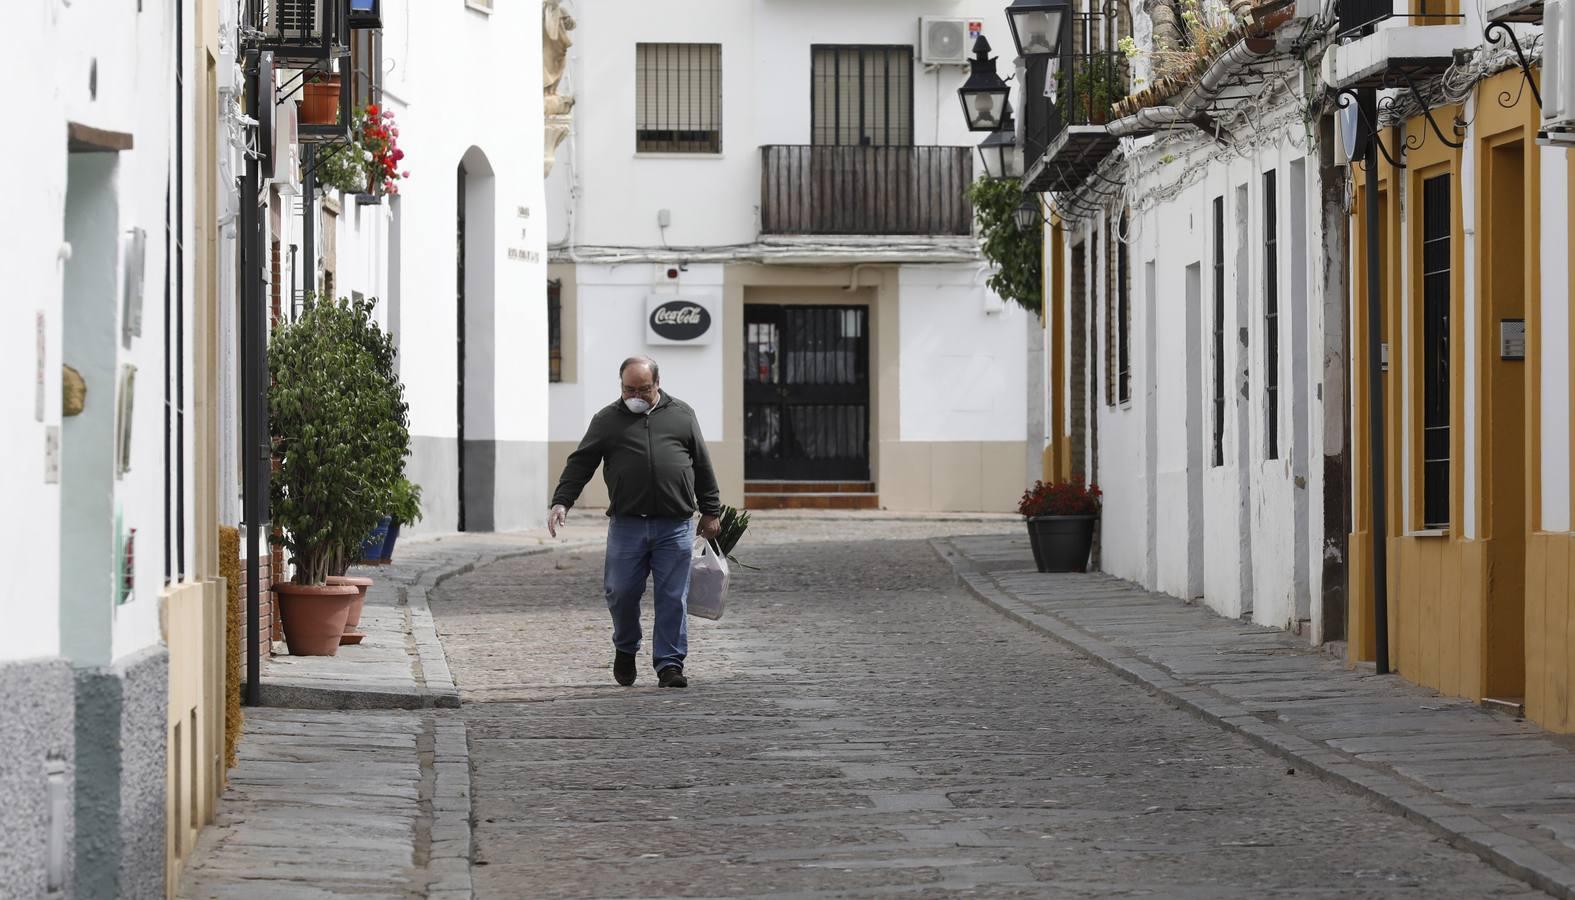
x: 657, y: 471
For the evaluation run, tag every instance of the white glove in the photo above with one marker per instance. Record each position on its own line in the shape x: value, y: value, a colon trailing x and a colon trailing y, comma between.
x: 556, y: 517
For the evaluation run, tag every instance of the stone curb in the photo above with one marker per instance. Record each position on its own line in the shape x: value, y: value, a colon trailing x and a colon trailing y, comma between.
x: 436, y: 689
x: 1462, y: 827
x: 449, y: 862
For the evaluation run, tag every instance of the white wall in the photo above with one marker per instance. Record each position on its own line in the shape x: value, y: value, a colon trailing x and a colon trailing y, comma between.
x: 964, y: 363
x: 1555, y: 422
x: 111, y: 69
x: 766, y: 100
x: 1261, y: 519
x: 612, y: 314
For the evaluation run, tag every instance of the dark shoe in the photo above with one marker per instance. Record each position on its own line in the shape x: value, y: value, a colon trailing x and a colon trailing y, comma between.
x: 623, y: 668
x: 672, y: 676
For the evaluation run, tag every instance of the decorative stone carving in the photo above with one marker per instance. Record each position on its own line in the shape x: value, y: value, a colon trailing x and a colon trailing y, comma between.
x: 73, y: 392
x: 555, y: 43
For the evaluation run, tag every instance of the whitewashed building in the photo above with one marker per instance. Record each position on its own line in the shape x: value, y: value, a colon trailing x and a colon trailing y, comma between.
x: 768, y: 198
x: 469, y: 315
x: 111, y: 647
x: 1197, y: 332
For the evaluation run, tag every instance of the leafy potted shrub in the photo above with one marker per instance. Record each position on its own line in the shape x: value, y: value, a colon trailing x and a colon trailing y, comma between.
x: 1061, y: 518
x: 341, y: 433
x: 370, y: 163
x: 406, y: 510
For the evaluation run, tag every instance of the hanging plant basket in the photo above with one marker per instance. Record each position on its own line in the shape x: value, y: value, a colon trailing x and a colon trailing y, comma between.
x: 320, y: 101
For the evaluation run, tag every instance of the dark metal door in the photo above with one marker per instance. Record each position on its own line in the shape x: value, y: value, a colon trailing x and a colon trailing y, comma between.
x: 806, y: 393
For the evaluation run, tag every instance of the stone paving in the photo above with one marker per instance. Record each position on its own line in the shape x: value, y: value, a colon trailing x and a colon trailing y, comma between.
x: 1489, y: 782
x: 860, y: 726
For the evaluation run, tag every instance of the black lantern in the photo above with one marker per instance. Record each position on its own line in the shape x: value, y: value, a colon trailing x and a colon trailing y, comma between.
x: 999, y: 150
x: 1039, y: 26
x: 1027, y: 214
x: 984, y: 93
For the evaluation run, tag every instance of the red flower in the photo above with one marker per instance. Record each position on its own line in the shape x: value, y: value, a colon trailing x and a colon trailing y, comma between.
x: 1069, y: 498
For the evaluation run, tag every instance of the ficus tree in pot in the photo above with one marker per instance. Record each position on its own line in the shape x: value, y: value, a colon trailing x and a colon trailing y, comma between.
x: 340, y: 429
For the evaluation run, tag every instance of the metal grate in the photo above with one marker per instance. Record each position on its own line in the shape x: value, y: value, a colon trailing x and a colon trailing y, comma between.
x: 678, y: 98
x: 865, y: 190
x: 1271, y: 316
x: 555, y: 331
x: 806, y: 392
x: 1436, y: 276
x: 862, y: 95
x: 1123, y: 318
x: 1219, y: 331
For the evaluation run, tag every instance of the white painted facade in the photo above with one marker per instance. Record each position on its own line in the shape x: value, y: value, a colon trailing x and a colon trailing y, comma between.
x: 1244, y: 532
x: 461, y: 83
x: 65, y: 250
x: 949, y: 397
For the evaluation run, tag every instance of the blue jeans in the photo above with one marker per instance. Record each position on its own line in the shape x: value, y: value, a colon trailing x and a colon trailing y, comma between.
x: 661, y: 549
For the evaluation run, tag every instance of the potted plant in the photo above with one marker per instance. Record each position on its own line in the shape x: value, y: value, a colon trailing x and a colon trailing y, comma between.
x: 1097, y: 82
x: 406, y: 510
x: 1061, y: 518
x: 320, y: 98
x: 369, y: 163
x: 341, y: 432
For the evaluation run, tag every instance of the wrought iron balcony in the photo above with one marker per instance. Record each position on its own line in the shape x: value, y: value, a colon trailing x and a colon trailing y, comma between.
x: 865, y: 190
x: 1359, y: 16
x: 1068, y: 100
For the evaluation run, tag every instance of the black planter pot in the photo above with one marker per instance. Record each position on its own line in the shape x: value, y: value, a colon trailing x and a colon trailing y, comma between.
x: 1061, y: 543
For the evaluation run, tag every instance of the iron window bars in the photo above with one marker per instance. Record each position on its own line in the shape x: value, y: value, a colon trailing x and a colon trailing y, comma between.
x: 678, y: 98
x: 1271, y: 317
x: 1436, y: 276
x: 861, y: 94
x: 1219, y: 331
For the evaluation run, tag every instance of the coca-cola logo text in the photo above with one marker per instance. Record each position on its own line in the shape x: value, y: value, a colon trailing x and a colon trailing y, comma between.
x: 680, y: 320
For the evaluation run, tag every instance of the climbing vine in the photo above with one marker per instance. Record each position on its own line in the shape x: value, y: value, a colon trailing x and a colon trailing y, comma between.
x: 1018, y: 256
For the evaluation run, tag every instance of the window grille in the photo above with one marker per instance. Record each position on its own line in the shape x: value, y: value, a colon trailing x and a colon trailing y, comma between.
x: 1271, y: 316
x: 1219, y: 331
x: 1123, y: 318
x: 678, y: 103
x: 366, y: 65
x: 555, y: 331
x: 862, y: 95
x: 1436, y: 277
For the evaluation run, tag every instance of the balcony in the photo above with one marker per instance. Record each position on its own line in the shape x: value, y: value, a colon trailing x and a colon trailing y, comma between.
x: 1064, y: 137
x: 865, y: 190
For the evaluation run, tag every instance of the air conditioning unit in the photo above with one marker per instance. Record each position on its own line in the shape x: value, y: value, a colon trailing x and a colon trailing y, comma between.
x: 295, y: 20
x: 946, y: 42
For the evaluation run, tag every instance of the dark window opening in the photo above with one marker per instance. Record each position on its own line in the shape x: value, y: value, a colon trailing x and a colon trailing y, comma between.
x: 1436, y: 275
x: 1271, y: 316
x: 862, y: 95
x: 1123, y: 318
x: 555, y: 331
x: 1219, y: 331
x: 678, y: 98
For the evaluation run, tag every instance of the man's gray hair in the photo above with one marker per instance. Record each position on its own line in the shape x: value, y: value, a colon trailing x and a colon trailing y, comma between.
x: 656, y: 373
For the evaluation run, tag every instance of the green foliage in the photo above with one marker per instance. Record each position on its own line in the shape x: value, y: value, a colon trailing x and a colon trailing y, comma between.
x: 406, y: 506
x: 343, y: 168
x: 734, y: 524
x: 1097, y: 82
x: 1018, y: 257
x: 340, y: 427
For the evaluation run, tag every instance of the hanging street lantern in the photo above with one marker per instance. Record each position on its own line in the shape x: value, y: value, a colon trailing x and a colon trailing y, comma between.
x: 1027, y: 214
x: 999, y: 150
x: 1039, y: 26
x: 983, y: 95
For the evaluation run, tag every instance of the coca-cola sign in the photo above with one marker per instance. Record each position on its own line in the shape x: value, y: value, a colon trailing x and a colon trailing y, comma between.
x: 679, y: 321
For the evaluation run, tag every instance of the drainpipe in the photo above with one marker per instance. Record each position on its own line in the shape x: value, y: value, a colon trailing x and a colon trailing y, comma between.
x: 1197, y: 98
x: 1375, y: 401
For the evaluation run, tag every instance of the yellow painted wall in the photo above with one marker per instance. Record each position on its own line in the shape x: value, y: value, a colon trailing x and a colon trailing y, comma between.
x: 1455, y: 624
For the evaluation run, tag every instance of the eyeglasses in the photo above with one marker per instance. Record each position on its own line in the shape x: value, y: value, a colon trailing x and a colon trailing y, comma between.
x: 634, y: 390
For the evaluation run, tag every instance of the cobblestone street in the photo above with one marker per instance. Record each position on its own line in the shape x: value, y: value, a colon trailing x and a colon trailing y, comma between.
x: 857, y: 725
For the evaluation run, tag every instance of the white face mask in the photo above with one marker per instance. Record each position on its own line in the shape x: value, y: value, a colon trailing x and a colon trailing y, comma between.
x: 637, y: 406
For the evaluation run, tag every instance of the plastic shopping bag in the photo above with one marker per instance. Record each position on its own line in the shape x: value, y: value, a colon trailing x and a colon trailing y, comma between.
x: 707, y: 581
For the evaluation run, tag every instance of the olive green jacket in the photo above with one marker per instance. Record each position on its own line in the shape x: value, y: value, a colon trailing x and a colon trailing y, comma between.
x: 655, y: 464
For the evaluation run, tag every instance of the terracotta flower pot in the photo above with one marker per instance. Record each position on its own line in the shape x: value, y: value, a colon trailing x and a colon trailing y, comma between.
x: 320, y: 102
x: 314, y: 616
x: 356, y: 605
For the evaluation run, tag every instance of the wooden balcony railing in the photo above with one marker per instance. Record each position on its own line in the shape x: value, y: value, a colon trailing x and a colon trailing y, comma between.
x: 865, y: 190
